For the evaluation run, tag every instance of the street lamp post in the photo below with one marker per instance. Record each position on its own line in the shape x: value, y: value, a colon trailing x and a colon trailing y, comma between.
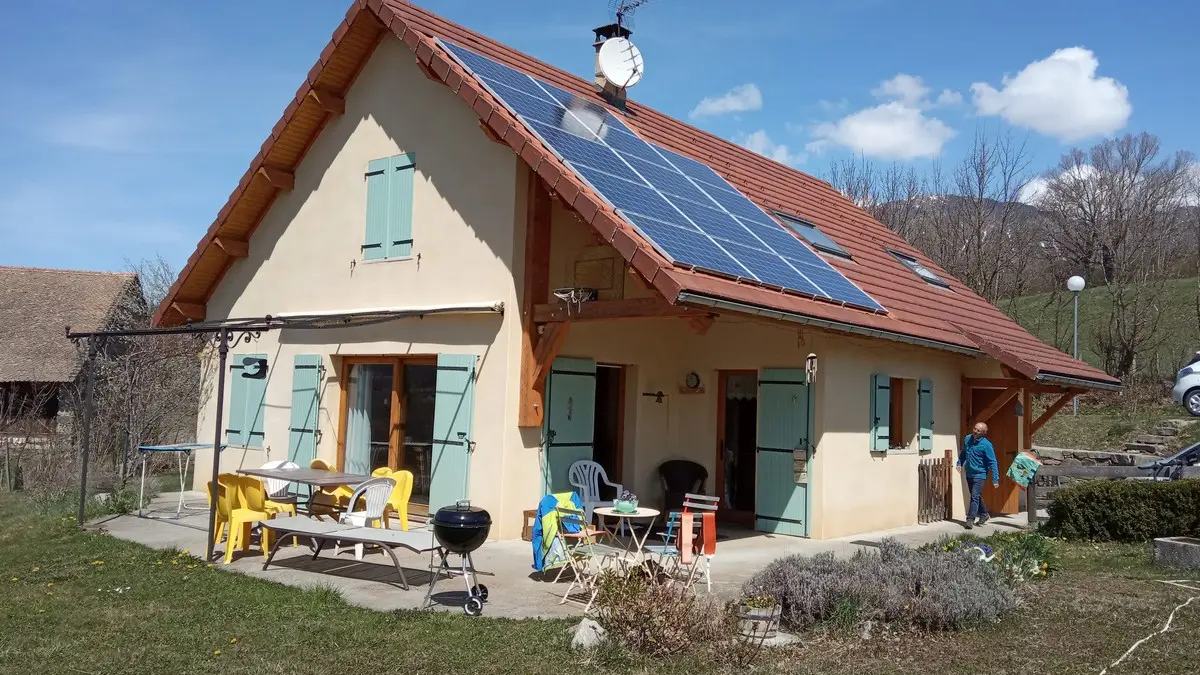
x: 1076, y: 284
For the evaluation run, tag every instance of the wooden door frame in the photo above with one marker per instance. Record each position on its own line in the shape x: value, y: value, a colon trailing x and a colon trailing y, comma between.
x: 730, y: 513
x: 395, y: 447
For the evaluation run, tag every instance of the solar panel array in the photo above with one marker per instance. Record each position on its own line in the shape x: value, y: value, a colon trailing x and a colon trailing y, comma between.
x: 686, y: 210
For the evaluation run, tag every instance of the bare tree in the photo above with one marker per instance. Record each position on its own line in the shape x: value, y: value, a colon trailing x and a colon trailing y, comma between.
x: 27, y: 412
x: 1116, y: 213
x: 894, y: 195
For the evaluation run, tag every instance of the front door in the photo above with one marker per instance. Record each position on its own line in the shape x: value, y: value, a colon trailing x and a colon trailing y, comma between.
x: 784, y: 452
x: 1002, y: 432
x: 737, y: 444
x: 569, y: 431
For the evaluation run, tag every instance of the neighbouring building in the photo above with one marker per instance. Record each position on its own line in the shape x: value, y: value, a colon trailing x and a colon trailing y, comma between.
x: 37, y: 361
x: 447, y: 185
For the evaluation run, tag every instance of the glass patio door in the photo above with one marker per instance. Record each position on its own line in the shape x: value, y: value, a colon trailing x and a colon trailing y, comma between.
x: 389, y: 418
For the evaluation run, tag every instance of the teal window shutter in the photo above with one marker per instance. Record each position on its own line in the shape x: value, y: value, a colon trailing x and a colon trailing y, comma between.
x: 375, y: 244
x: 389, y: 207
x: 401, y: 171
x: 255, y: 374
x: 306, y: 382
x: 925, y: 411
x: 235, y: 411
x: 881, y: 412
x: 453, y: 415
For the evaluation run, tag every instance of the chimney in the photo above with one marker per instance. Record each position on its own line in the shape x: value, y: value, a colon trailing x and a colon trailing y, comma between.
x: 611, y: 93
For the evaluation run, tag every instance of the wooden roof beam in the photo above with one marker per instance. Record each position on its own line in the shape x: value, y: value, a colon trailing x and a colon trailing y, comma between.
x: 234, y: 248
x: 278, y: 177
x: 192, y: 311
x: 330, y: 101
x: 1051, y: 411
x: 1001, y: 401
x: 632, y: 308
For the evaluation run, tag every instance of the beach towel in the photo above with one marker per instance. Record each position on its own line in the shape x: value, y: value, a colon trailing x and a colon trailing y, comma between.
x: 1024, y: 469
x: 547, y: 550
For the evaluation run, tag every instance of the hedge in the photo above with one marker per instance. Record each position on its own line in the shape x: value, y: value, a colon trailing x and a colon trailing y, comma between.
x: 1127, y: 510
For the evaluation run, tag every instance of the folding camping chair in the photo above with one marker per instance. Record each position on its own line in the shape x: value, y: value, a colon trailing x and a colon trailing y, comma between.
x: 691, y: 548
x: 580, y: 549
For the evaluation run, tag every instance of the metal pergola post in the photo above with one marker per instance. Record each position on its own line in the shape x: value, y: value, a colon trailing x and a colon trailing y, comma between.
x: 86, y: 440
x: 214, y: 486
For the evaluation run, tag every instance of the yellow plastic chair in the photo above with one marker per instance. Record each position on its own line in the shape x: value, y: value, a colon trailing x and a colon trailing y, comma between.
x: 398, y: 501
x: 328, y: 501
x: 227, y: 501
x: 252, y: 509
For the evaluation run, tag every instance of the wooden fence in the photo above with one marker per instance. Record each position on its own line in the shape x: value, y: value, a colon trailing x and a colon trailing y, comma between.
x: 933, y: 488
x: 1110, y: 472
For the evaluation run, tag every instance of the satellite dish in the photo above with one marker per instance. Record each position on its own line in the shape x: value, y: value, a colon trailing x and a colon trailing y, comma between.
x: 620, y: 62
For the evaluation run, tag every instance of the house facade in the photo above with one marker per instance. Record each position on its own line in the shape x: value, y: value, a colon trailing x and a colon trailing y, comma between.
x: 399, y: 185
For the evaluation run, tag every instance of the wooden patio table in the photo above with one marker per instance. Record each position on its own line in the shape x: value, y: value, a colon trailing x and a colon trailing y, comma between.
x: 320, y: 478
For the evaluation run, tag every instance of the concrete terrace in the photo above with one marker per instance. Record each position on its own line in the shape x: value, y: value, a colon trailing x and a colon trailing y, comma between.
x: 515, y: 589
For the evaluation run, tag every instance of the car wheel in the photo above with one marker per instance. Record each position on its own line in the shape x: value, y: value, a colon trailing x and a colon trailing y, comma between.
x: 1191, y: 401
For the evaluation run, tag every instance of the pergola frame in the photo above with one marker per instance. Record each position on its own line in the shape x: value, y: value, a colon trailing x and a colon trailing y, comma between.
x: 225, y: 333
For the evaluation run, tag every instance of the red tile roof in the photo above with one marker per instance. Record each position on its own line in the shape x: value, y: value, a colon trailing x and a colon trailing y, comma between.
x: 957, y: 318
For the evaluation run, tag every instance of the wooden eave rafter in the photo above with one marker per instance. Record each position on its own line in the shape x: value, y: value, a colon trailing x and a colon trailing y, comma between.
x: 329, y: 100
x: 234, y: 248
x: 278, y: 177
x: 1001, y: 401
x: 192, y: 311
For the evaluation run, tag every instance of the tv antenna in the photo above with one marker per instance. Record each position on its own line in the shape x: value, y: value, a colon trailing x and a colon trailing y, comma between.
x: 624, y: 10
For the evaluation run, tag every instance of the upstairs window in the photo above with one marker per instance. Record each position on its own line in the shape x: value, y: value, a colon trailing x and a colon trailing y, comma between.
x: 389, y: 208
x: 814, y: 236
x: 919, y: 269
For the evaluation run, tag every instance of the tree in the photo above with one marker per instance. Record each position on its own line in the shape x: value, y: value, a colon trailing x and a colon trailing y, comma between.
x: 1116, y: 213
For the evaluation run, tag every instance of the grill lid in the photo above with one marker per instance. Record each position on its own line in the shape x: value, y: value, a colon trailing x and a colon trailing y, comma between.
x: 462, y: 515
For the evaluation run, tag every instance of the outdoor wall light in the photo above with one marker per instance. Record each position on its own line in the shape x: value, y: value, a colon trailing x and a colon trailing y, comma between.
x: 658, y: 395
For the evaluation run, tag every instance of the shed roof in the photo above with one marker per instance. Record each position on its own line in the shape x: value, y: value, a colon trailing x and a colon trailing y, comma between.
x: 954, y: 317
x: 37, y: 305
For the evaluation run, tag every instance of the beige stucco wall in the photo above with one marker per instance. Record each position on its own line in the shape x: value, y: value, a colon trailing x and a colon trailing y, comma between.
x: 305, y: 256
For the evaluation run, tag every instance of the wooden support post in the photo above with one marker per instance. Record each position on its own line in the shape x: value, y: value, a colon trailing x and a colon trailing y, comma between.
x: 193, y: 311
x: 1031, y: 500
x: 1051, y: 411
x: 1002, y: 400
x: 534, y: 290
x: 546, y: 351
x: 329, y: 101
x: 234, y: 248
x: 278, y: 177
x: 1027, y: 420
x: 948, y: 477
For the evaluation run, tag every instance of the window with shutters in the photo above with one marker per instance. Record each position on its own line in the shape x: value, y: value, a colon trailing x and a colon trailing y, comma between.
x: 389, y: 233
x: 901, y: 414
x: 247, y: 400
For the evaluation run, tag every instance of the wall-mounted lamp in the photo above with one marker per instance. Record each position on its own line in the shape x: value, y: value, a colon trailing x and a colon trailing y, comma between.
x: 658, y: 395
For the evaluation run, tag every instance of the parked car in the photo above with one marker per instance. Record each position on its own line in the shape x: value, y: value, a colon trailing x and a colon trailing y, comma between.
x: 1187, y: 386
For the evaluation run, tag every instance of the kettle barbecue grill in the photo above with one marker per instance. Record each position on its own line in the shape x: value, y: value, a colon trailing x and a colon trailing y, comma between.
x: 460, y: 530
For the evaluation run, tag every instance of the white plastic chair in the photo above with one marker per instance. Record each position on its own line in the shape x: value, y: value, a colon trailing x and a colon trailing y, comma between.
x: 586, y: 476
x: 374, y: 494
x: 277, y: 489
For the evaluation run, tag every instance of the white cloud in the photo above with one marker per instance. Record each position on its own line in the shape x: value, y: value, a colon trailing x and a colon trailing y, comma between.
x: 1033, y: 190
x: 105, y: 131
x: 891, y: 131
x: 761, y: 143
x: 898, y: 128
x: 908, y: 89
x: 949, y: 99
x: 742, y: 98
x: 833, y: 106
x: 1059, y: 96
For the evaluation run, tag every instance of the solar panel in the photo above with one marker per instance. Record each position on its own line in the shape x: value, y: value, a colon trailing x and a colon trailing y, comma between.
x: 686, y: 210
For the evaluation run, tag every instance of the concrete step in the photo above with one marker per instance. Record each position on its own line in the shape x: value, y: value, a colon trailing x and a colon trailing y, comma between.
x: 1153, y: 439
x: 1145, y: 448
x: 1167, y: 430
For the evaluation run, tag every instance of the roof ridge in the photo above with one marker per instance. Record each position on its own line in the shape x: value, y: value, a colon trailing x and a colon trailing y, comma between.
x: 61, y: 270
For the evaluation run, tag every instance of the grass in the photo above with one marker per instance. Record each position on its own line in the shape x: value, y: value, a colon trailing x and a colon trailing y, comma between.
x: 1050, y: 316
x: 1108, y: 426
x: 79, y: 602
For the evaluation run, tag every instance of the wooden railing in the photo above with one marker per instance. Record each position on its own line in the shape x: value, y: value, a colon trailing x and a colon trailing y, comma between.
x: 1110, y: 472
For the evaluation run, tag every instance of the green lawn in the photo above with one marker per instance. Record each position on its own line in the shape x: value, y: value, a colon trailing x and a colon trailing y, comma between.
x: 1107, y: 426
x: 76, y: 602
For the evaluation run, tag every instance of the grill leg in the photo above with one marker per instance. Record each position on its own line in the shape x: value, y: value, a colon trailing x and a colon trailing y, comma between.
x: 435, y: 573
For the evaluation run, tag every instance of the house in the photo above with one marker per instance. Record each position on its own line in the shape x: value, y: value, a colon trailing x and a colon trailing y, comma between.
x: 398, y: 186
x: 36, y: 359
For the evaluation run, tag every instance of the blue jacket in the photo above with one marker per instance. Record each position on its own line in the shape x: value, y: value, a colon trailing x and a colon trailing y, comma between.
x: 977, y: 457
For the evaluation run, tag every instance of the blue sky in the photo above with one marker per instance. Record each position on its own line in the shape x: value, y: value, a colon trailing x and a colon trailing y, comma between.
x: 126, y: 123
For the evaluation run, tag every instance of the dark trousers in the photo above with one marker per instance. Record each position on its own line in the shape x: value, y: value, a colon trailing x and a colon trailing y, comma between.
x: 978, y: 508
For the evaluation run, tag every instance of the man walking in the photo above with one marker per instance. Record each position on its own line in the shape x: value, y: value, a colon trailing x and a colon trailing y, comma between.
x: 976, y: 458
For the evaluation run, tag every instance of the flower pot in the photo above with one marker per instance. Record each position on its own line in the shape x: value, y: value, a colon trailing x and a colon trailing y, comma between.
x: 623, y: 506
x: 755, y: 623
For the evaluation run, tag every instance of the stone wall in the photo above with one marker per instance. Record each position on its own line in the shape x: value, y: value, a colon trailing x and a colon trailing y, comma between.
x: 1048, y: 485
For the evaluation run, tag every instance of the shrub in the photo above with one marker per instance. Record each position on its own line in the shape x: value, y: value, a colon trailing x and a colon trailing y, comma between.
x: 931, y: 589
x: 1129, y: 510
x: 1018, y: 555
x: 657, y: 619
